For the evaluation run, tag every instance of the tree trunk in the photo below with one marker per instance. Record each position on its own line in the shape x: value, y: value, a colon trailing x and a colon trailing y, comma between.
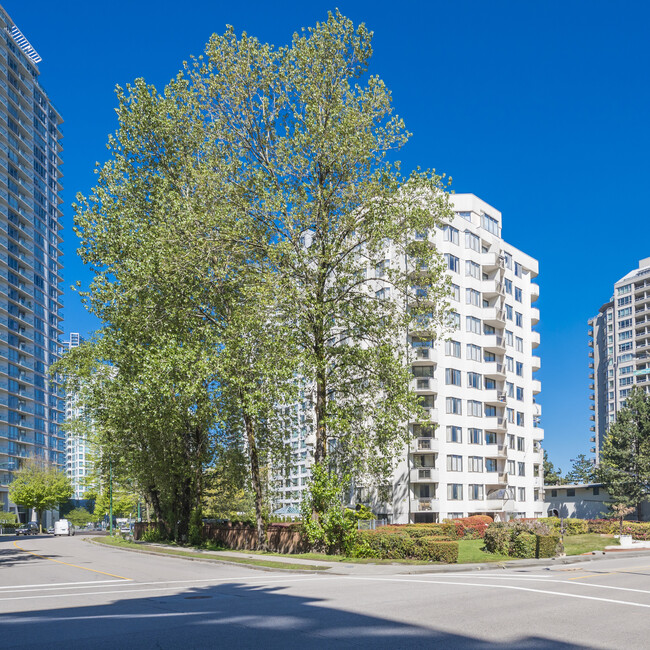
x: 255, y: 478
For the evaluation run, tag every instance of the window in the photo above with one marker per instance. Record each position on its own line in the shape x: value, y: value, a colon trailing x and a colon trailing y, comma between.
x: 571, y: 492
x: 596, y: 491
x: 625, y: 346
x: 519, y: 319
x: 490, y: 411
x: 521, y: 469
x: 508, y: 285
x: 510, y: 414
x: 520, y: 419
x: 422, y: 371
x: 621, y: 302
x: 519, y: 270
x: 475, y: 436
x: 490, y: 384
x: 473, y: 352
x: 508, y: 312
x: 455, y: 492
x: 454, y: 463
x: 490, y: 438
x: 625, y: 381
x: 452, y: 349
x: 511, y: 441
x: 473, y: 324
x: 454, y: 405
x: 622, y: 324
x: 380, y: 268
x: 453, y: 263
x: 509, y: 338
x: 510, y: 363
x: 472, y: 270
x: 520, y: 394
x: 511, y: 467
x: 489, y: 357
x: 521, y: 494
x: 490, y: 465
x: 454, y: 434
x: 475, y: 492
x: 474, y: 408
x: 490, y: 224
x: 519, y: 368
x: 508, y: 261
x: 625, y: 289
x: 473, y: 297
x: 517, y: 294
x: 554, y: 493
x: 489, y: 330
x: 427, y: 401
x: 450, y: 234
x: 520, y: 344
x: 472, y: 241
x: 623, y: 336
x: 475, y: 463
x: 624, y: 312
x: 627, y: 370
x: 455, y: 292
x: 452, y: 377
x: 465, y: 215
x: 474, y: 380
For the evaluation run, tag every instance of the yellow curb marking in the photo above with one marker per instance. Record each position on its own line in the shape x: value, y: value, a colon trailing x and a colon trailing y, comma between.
x: 76, y: 566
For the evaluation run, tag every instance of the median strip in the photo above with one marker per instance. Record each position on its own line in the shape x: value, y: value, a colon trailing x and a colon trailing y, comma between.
x: 202, y: 555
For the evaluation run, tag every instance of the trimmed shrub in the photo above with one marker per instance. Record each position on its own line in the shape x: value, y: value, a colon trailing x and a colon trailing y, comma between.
x: 523, y: 545
x: 602, y: 526
x: 497, y: 538
x: 638, y: 529
x: 397, y: 545
x: 548, y: 546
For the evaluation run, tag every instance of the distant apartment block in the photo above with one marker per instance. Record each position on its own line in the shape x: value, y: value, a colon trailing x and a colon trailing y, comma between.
x: 78, y: 456
x: 619, y: 358
x: 31, y: 404
x: 481, y: 450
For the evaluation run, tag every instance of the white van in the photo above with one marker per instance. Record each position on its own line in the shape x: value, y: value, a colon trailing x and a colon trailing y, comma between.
x: 63, y: 527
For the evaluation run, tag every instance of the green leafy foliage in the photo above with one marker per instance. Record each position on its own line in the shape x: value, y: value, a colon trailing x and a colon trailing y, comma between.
x: 551, y: 475
x: 398, y: 545
x: 548, y: 546
x: 625, y: 461
x: 504, y: 537
x: 79, y: 517
x: 582, y: 471
x: 39, y: 486
x: 324, y: 519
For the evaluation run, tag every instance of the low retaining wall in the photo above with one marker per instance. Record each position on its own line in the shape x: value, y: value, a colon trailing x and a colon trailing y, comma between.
x: 282, y: 538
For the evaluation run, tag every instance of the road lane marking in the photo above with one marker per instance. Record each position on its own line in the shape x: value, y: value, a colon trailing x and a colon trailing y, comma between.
x: 545, y: 579
x: 76, y: 566
x: 56, y: 585
x: 511, y: 587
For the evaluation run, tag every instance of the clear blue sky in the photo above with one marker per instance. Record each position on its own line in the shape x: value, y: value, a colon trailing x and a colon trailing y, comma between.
x: 539, y: 108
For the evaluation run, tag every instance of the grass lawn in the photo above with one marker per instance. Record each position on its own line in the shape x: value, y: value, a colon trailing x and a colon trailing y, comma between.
x: 116, y: 541
x: 579, y: 544
x: 470, y: 550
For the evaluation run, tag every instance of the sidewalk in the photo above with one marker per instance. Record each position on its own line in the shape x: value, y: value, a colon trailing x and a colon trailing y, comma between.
x: 396, y: 568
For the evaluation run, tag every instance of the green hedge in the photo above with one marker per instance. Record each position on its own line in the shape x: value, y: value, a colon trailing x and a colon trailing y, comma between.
x: 524, y: 545
x: 571, y: 526
x: 397, y: 545
x: 548, y: 545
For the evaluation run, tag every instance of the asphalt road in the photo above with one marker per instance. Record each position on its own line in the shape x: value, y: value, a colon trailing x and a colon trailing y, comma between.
x: 66, y: 593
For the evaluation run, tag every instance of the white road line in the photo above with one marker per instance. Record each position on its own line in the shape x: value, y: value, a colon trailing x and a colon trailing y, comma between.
x: 511, y: 587
x: 544, y: 579
x: 57, y: 584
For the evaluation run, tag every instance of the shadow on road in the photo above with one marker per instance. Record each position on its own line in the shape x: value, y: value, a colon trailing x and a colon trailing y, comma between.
x: 233, y: 615
x: 11, y: 556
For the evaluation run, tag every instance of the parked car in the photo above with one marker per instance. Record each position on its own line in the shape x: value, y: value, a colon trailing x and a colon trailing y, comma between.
x: 50, y: 530
x: 28, y: 529
x: 63, y: 527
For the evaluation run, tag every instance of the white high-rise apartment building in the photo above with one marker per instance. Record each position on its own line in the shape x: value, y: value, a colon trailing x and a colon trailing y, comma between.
x: 619, y: 337
x: 31, y: 403
x: 482, y: 452
x: 78, y: 461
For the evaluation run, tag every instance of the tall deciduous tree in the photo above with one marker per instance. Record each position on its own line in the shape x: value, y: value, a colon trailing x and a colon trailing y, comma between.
x: 625, y: 460
x: 40, y: 486
x: 308, y: 136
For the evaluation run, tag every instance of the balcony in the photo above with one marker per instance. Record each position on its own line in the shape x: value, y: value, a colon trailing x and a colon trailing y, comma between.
x: 425, y: 446
x: 423, y: 354
x: 537, y: 386
x: 592, y: 428
x: 592, y: 387
x: 534, y: 339
x: 534, y: 291
x: 593, y: 450
x: 534, y: 315
x: 494, y: 316
x: 495, y: 344
x: 498, y: 424
x: 424, y: 475
x: 495, y: 371
x: 492, y: 288
x: 430, y: 414
x: 492, y: 261
x: 590, y: 343
x: 536, y: 363
x: 496, y: 478
x: 496, y: 451
x: 424, y: 504
x: 592, y: 396
x: 592, y: 417
x: 494, y: 397
x: 592, y: 439
x: 424, y: 385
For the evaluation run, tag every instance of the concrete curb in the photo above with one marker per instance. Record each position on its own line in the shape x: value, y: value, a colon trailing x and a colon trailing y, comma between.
x: 209, y: 560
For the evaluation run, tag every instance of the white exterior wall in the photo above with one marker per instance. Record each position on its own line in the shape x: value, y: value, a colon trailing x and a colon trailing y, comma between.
x: 496, y: 260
